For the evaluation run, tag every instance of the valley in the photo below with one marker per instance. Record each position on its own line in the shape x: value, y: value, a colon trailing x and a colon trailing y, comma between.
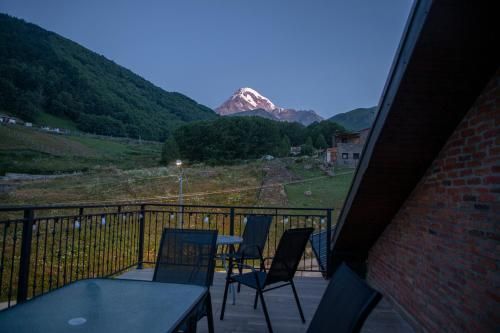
x: 89, y: 169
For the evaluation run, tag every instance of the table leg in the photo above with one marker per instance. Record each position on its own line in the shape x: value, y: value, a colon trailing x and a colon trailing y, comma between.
x: 233, y: 291
x: 226, y: 267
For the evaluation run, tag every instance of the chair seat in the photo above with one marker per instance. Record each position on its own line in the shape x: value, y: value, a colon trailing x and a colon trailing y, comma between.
x: 248, y: 279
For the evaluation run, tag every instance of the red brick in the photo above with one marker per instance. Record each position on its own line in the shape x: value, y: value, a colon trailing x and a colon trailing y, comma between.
x: 438, y: 256
x: 473, y: 139
x: 468, y: 132
x: 491, y: 134
x: 465, y: 172
x: 474, y: 181
x: 492, y: 180
x: 496, y: 150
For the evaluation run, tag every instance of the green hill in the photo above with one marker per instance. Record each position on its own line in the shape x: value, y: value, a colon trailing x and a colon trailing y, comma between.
x: 33, y: 151
x: 44, y: 76
x: 356, y: 119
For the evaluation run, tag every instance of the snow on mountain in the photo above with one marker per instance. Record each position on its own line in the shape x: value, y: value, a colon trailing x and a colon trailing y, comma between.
x: 248, y: 99
x: 245, y: 99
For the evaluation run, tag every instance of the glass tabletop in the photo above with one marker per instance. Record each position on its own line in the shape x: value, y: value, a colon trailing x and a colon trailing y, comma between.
x: 105, y: 305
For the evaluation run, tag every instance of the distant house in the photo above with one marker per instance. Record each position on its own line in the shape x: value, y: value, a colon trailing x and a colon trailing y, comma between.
x: 422, y: 218
x: 347, y: 148
x: 4, y: 119
x: 331, y: 155
x: 294, y: 151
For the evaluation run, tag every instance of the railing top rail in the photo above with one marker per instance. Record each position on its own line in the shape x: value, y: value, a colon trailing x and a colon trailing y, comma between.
x: 110, y: 205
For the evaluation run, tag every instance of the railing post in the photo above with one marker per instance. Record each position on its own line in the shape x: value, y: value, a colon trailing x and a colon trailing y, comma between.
x: 328, y: 242
x: 24, y: 264
x: 231, y: 221
x: 140, y: 254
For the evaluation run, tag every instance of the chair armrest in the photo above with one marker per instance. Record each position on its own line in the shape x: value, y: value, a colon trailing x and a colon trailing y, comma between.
x: 246, y: 266
x: 255, y: 274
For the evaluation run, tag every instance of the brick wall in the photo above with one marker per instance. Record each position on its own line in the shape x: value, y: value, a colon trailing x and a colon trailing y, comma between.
x: 439, y: 258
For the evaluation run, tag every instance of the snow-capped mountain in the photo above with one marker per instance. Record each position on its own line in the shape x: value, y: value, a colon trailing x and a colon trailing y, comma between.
x: 246, y: 100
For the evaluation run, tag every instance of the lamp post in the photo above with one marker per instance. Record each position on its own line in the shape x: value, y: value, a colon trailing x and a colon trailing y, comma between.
x: 178, y: 163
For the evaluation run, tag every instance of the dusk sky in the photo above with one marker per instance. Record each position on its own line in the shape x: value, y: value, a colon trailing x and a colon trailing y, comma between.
x: 328, y: 56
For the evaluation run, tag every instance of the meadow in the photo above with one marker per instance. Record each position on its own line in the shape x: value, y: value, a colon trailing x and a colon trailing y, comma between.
x: 33, y: 151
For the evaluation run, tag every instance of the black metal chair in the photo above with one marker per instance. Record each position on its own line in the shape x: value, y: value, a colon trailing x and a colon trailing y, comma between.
x: 345, y: 305
x: 188, y: 257
x: 254, y: 240
x: 283, y: 268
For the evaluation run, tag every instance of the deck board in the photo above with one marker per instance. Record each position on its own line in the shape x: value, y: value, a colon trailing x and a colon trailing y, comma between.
x: 242, y: 318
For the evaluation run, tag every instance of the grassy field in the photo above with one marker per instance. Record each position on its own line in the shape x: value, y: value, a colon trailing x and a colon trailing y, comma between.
x: 123, y: 170
x: 202, y: 185
x: 27, y: 150
x: 226, y: 185
x: 322, y: 191
x: 46, y: 119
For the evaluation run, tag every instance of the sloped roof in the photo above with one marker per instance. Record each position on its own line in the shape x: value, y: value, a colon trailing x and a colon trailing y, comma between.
x: 445, y: 58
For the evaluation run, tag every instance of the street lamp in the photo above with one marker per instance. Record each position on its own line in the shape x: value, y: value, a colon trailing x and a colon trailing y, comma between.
x: 178, y: 163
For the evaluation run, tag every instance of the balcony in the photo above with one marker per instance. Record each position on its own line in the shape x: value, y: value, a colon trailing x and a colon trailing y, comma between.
x: 44, y: 248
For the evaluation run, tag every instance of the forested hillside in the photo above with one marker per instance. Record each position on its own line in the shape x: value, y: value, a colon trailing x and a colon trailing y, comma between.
x: 228, y: 139
x: 356, y: 119
x: 43, y: 75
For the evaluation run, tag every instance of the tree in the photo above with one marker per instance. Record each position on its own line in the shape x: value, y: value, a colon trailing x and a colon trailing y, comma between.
x: 327, y: 127
x: 307, y: 148
x: 284, y: 147
x: 321, y: 142
x: 170, y: 151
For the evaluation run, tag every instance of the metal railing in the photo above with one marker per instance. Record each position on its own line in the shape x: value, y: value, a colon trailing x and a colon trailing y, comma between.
x: 45, y: 247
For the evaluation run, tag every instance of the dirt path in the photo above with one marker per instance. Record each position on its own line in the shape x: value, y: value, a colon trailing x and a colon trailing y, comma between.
x: 275, y: 172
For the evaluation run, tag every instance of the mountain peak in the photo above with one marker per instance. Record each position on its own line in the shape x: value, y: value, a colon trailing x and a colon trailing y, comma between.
x: 245, y: 101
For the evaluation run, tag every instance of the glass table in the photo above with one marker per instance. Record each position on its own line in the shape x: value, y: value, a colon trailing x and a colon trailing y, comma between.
x: 108, y: 305
x: 228, y: 242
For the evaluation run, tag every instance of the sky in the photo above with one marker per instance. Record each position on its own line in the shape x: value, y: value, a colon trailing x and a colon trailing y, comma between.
x: 330, y: 56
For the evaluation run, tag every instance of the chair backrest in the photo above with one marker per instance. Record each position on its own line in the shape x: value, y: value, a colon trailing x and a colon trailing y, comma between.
x: 319, y: 243
x: 345, y: 305
x: 288, y: 254
x: 186, y: 257
x: 255, y: 236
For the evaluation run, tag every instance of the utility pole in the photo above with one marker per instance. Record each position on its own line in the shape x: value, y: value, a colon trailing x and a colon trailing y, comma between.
x: 178, y: 163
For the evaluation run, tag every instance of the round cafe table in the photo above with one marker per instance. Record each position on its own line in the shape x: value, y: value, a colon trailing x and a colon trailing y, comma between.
x: 228, y: 242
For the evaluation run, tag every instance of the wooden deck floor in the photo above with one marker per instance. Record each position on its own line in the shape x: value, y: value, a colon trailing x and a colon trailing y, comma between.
x: 241, y: 317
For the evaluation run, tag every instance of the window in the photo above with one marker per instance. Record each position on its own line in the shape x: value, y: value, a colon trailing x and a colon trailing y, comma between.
x: 345, y: 156
x: 355, y: 156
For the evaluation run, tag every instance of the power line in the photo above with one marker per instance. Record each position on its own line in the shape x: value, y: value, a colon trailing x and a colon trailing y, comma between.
x: 201, y: 194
